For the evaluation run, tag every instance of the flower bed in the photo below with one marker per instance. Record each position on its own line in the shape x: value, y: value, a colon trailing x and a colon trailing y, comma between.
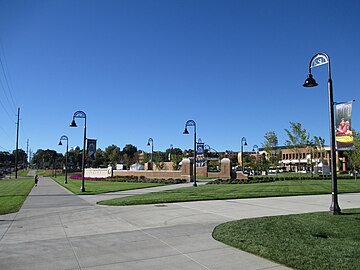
x: 131, y: 178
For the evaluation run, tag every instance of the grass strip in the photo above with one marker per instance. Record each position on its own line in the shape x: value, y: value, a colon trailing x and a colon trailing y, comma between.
x: 97, y: 187
x: 13, y: 193
x: 306, y: 241
x: 235, y: 191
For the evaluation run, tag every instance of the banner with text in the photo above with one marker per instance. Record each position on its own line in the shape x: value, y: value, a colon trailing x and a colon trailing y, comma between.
x: 344, y: 135
x: 91, y: 148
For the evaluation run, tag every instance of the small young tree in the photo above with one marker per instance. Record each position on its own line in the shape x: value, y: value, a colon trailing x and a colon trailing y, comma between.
x: 159, y: 161
x: 320, y: 147
x: 354, y: 154
x: 271, y: 147
x: 298, y: 138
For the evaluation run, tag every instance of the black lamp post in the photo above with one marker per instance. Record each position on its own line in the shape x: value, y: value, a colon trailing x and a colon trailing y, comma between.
x: 170, y: 152
x: 206, y: 146
x: 318, y: 60
x: 191, y: 123
x: 152, y: 148
x: 65, y: 138
x: 81, y: 114
x: 243, y: 143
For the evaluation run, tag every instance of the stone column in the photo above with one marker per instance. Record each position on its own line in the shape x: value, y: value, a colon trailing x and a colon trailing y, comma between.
x: 187, y: 170
x: 225, y: 168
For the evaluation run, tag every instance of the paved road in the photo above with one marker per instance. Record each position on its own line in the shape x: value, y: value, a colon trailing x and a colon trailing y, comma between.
x: 58, y: 230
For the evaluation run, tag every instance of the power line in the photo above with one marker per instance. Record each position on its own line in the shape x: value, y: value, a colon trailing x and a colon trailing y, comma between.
x: 6, y: 77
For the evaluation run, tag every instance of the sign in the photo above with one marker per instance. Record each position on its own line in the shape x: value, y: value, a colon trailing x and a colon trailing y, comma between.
x: 200, y: 148
x: 91, y: 148
x: 344, y: 135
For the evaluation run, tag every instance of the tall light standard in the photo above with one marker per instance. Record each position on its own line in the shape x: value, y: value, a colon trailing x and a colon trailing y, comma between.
x: 206, y: 146
x: 171, y: 148
x: 152, y: 148
x: 191, y: 123
x: 243, y: 143
x: 318, y: 60
x: 256, y: 149
x: 65, y: 138
x: 81, y: 114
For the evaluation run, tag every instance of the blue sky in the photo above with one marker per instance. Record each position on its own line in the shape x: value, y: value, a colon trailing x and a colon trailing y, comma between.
x: 142, y: 68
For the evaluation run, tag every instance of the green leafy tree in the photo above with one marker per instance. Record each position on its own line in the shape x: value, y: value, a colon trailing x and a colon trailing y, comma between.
x: 319, y: 144
x: 159, y: 160
x: 100, y: 158
x: 129, y: 154
x: 176, y: 157
x: 271, y: 147
x: 354, y: 154
x: 112, y: 155
x: 298, y: 138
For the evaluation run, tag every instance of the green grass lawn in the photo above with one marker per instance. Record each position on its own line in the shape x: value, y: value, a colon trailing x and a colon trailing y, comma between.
x: 238, y: 191
x: 96, y: 187
x: 13, y: 193
x: 306, y: 241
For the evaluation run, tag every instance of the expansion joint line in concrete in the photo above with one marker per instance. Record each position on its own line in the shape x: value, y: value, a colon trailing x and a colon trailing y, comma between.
x: 72, y: 247
x: 12, y: 221
x: 162, y: 241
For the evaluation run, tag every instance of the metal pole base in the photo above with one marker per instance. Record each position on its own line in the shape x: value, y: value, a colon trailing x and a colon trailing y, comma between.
x: 335, y: 209
x: 195, y: 185
x: 82, y: 189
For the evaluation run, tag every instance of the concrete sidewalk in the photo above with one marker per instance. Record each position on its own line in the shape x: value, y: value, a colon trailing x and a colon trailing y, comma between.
x: 56, y: 229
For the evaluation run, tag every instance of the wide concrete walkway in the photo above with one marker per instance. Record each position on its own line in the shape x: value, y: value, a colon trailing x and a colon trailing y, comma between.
x: 58, y: 230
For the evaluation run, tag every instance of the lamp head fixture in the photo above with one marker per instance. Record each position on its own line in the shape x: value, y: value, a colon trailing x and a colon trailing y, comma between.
x: 73, y: 123
x: 186, y: 131
x: 60, y: 143
x: 310, y: 81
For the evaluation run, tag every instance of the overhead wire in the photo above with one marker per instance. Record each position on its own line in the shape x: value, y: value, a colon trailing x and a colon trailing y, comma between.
x: 3, y: 64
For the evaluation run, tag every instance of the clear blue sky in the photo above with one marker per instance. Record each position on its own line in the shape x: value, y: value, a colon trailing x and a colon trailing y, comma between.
x: 142, y: 68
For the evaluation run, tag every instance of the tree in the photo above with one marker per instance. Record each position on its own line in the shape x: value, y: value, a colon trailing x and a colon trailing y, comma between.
x: 176, y: 157
x: 112, y: 155
x: 271, y: 147
x: 354, y: 154
x: 100, y: 158
x: 128, y: 154
x: 44, y: 159
x: 320, y: 147
x: 159, y: 160
x: 298, y: 138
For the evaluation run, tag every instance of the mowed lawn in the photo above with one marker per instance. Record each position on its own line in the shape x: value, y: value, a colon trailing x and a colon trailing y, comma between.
x: 97, y: 187
x: 13, y: 193
x: 238, y: 191
x: 306, y: 241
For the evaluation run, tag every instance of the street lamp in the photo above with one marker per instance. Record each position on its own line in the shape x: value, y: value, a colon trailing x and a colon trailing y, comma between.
x: 65, y: 138
x: 206, y: 146
x: 243, y: 143
x: 318, y: 60
x: 81, y: 114
x: 171, y: 148
x: 256, y: 149
x: 152, y: 148
x: 191, y: 123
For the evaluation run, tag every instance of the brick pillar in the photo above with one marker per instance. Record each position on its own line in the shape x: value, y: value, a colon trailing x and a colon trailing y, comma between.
x: 187, y: 170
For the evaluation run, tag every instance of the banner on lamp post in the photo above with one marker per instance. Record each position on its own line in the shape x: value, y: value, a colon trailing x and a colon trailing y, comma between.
x: 344, y: 134
x: 91, y: 148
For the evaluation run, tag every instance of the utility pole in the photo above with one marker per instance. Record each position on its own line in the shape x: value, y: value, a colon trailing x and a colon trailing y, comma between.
x: 27, y: 153
x: 17, y: 142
